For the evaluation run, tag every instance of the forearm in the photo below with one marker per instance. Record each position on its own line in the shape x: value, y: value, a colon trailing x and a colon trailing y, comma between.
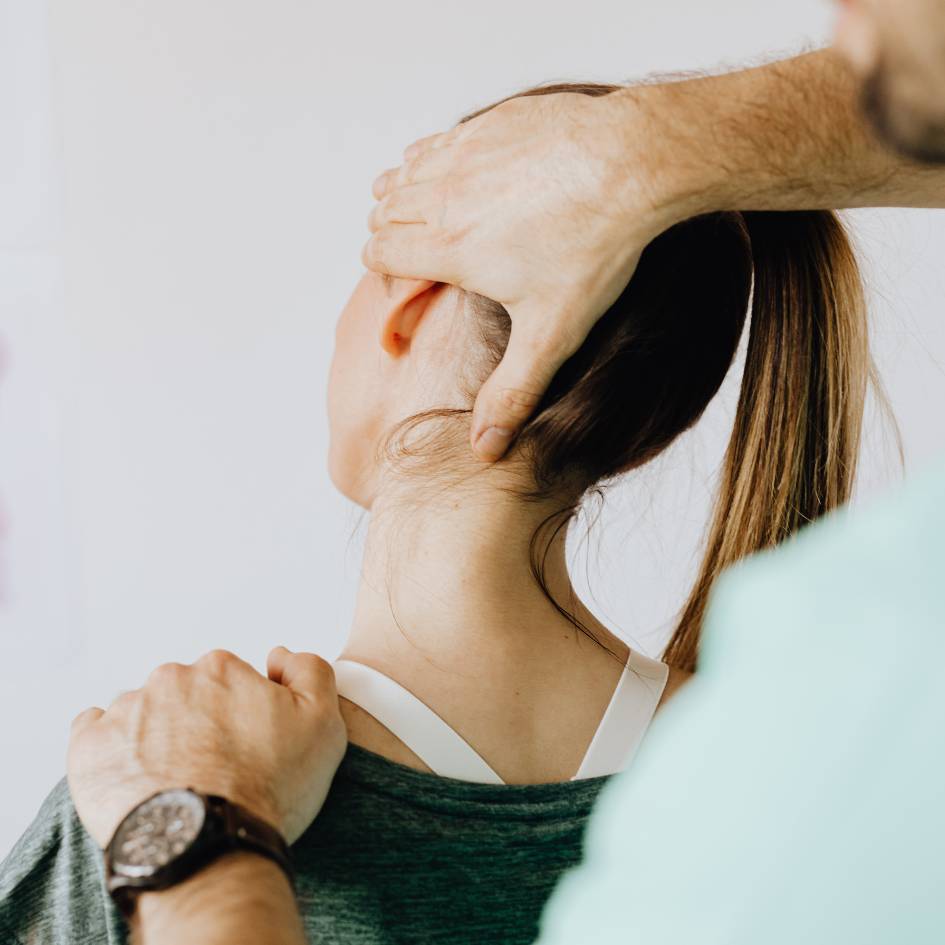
x: 784, y: 136
x: 242, y: 897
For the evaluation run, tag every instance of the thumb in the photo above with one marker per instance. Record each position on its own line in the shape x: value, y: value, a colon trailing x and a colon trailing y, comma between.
x: 305, y: 674
x: 515, y: 388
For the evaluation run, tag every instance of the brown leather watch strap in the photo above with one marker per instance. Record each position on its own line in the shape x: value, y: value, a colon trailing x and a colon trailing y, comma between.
x: 226, y: 826
x: 248, y: 832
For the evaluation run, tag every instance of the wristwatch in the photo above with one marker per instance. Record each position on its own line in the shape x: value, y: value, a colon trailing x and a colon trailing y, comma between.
x: 174, y: 833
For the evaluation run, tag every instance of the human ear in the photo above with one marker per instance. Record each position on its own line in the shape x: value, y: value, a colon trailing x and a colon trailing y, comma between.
x: 406, y: 301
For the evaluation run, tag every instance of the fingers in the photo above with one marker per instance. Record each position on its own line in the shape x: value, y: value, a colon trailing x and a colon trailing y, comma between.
x: 218, y: 664
x: 513, y: 391
x: 410, y: 196
x: 428, y: 165
x: 124, y: 698
x: 415, y: 203
x: 428, y: 143
x: 276, y: 663
x: 381, y: 183
x: 426, y: 159
x: 305, y: 674
x: 412, y: 251
x: 86, y: 718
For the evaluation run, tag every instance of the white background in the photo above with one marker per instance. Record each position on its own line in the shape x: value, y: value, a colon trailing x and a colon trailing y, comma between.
x: 183, y: 193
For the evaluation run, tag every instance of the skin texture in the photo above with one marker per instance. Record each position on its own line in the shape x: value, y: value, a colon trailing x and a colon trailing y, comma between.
x: 474, y: 206
x: 272, y: 745
x: 238, y: 898
x: 446, y: 604
x: 752, y: 140
x: 577, y: 142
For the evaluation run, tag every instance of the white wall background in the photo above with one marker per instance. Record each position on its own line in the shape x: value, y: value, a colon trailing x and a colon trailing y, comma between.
x: 162, y: 424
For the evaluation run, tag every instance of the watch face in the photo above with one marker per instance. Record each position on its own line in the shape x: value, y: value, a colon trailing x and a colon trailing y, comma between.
x: 156, y: 832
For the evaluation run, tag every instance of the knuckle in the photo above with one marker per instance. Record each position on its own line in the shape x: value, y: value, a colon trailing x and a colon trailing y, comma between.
x: 367, y: 255
x: 405, y: 174
x: 382, y: 184
x: 165, y: 675
x: 124, y: 700
x: 518, y: 402
x: 82, y: 717
x: 217, y: 662
x: 325, y: 670
x: 375, y: 253
x: 390, y: 204
x: 415, y: 167
x: 374, y: 217
x: 416, y: 146
x: 322, y: 672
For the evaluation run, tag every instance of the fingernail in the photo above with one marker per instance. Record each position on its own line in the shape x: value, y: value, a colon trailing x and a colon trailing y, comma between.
x: 493, y: 442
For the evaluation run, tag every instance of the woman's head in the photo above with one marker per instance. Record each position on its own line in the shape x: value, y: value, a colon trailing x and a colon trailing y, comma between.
x: 397, y: 353
x: 411, y: 355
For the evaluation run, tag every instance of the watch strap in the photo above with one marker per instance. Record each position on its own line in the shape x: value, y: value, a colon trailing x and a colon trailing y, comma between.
x: 246, y: 831
x: 227, y: 826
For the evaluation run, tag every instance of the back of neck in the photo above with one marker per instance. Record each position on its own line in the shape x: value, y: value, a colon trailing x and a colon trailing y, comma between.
x: 449, y: 608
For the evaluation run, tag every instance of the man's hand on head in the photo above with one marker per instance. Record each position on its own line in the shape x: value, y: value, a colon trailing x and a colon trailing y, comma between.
x: 543, y: 203
x: 272, y: 745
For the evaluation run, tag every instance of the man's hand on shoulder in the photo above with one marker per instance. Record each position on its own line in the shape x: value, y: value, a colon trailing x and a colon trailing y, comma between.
x: 272, y: 745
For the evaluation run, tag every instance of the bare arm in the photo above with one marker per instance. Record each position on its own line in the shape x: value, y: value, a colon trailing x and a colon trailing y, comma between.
x: 241, y: 897
x: 789, y: 135
x: 544, y: 203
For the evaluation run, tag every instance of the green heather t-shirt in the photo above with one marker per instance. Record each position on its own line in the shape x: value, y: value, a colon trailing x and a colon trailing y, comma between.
x: 396, y: 855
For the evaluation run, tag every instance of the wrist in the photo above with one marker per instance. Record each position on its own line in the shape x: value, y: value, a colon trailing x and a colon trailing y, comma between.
x: 665, y: 166
x: 781, y: 136
x: 217, y: 897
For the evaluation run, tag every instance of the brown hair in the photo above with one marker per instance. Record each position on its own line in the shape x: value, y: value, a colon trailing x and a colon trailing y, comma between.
x: 652, y: 363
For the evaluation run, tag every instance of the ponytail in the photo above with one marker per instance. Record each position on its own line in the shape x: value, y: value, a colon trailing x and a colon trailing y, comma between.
x: 653, y: 362
x: 793, y: 452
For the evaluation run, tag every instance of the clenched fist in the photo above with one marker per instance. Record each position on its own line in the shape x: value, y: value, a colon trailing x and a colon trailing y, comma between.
x: 272, y: 745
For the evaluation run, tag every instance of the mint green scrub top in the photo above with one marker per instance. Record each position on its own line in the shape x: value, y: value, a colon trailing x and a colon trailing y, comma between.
x: 794, y: 792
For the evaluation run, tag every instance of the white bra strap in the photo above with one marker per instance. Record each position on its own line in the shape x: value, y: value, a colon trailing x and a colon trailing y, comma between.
x: 627, y: 718
x: 440, y: 748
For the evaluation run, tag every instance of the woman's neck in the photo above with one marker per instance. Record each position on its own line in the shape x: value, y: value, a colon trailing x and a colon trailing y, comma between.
x: 448, y: 606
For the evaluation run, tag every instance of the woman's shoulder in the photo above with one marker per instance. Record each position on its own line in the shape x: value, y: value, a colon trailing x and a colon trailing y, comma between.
x: 52, y: 880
